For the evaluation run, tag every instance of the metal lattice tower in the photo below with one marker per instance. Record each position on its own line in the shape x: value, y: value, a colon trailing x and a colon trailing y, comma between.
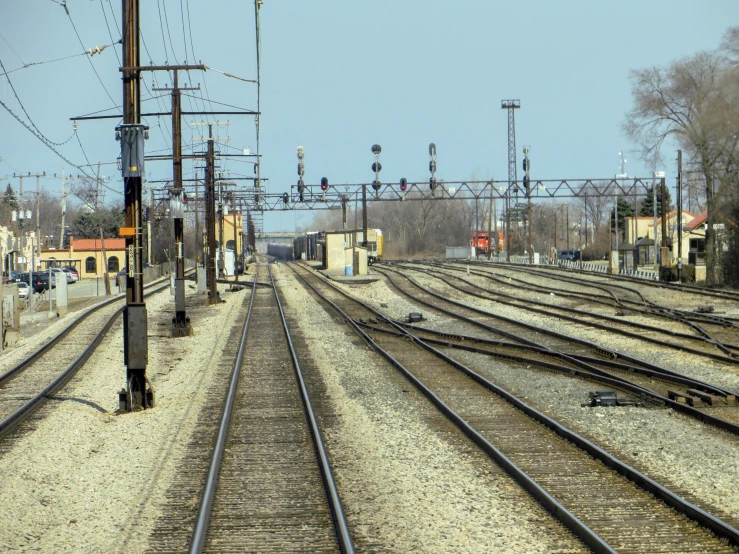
x: 511, y: 106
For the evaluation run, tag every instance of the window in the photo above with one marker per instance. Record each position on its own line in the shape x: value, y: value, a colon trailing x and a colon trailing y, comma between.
x: 91, y: 265
x: 230, y: 245
x: 113, y: 264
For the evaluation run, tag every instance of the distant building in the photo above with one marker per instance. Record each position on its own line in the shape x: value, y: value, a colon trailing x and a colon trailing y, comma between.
x: 642, y: 227
x: 14, y: 256
x: 86, y: 256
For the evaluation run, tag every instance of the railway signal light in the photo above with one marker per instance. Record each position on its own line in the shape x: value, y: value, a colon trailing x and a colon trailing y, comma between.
x: 285, y: 198
x: 376, y: 167
x: 403, y: 184
x: 324, y: 184
x: 432, y: 166
x: 301, y: 190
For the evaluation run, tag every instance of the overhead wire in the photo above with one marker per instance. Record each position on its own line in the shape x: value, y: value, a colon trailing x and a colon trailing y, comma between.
x: 12, y: 49
x: 44, y: 137
x: 110, y: 34
x: 66, y: 9
x: 96, y: 50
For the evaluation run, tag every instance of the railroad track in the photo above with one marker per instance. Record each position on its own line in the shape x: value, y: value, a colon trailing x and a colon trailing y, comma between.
x: 578, y: 353
x: 30, y: 383
x: 631, y: 300
x: 269, y: 487
x: 702, y: 342
x: 567, y: 474
x: 611, y: 281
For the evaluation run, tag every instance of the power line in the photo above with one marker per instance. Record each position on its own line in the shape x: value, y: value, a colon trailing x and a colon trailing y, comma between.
x: 110, y: 34
x: 12, y: 49
x: 41, y: 138
x: 44, y: 137
x: 66, y: 9
x: 89, y: 52
x: 169, y: 34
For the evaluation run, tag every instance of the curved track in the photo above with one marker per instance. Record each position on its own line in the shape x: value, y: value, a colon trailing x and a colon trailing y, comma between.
x: 627, y: 284
x: 269, y: 487
x: 579, y: 353
x: 569, y: 477
x: 700, y: 342
x: 25, y: 387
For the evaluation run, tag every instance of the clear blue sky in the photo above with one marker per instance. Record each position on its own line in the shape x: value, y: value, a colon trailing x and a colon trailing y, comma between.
x: 339, y: 76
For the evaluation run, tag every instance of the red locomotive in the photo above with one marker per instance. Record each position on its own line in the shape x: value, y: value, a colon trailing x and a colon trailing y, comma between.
x: 481, y: 243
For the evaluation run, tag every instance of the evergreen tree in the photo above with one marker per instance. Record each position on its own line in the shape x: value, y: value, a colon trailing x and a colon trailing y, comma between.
x: 647, y: 207
x: 625, y: 209
x: 9, y: 198
x: 87, y: 225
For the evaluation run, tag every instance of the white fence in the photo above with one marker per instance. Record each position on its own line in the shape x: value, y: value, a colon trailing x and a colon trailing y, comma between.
x: 582, y: 266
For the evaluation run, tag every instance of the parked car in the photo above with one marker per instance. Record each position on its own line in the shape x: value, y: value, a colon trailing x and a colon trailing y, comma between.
x: 22, y: 289
x: 40, y: 281
x: 65, y: 274
x: 73, y: 271
x: 570, y: 255
x: 121, y: 276
x: 72, y: 276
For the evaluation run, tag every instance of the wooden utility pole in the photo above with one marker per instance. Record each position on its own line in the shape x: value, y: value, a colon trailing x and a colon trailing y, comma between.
x: 492, y: 233
x: 64, y: 210
x: 236, y: 242
x: 198, y: 231
x: 132, y: 135
x: 679, y: 215
x: 106, y: 277
x: 180, y: 323
x: 210, y: 218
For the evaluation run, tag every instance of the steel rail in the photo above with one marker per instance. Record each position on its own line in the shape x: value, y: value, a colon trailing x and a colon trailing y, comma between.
x: 646, y: 368
x: 343, y: 536
x: 689, y: 289
x: 670, y: 498
x: 689, y: 410
x: 206, y: 504
x: 612, y: 380
x: 554, y: 507
x: 8, y: 375
x: 521, y: 304
x: 340, y: 524
x: 645, y: 306
x: 25, y: 411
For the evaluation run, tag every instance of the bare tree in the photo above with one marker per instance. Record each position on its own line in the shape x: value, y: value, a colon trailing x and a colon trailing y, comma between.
x: 694, y: 102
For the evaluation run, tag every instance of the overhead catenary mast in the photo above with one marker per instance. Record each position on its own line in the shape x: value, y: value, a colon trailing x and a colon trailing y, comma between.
x: 259, y: 223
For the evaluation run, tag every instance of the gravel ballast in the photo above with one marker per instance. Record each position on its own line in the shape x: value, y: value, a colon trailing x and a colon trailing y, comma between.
x: 698, y: 460
x: 86, y: 480
x: 408, y: 481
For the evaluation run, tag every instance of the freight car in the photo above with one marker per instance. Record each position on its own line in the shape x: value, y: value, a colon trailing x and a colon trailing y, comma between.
x: 306, y: 246
x: 281, y: 251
